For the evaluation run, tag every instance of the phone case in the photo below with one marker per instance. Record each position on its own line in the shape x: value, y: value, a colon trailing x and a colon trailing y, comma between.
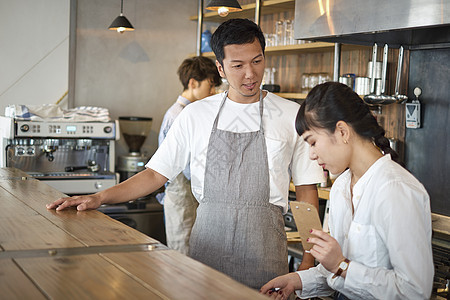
x: 306, y: 218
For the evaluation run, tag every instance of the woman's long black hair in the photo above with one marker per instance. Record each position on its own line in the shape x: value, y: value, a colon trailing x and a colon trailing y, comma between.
x: 330, y: 102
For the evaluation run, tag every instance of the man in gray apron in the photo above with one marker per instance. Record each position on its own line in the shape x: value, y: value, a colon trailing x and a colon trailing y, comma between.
x: 237, y: 230
x: 243, y: 150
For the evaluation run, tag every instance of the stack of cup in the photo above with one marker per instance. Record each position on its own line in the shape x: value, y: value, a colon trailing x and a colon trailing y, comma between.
x: 310, y: 80
x: 284, y: 32
x: 348, y: 79
x: 362, y: 85
x: 375, y: 73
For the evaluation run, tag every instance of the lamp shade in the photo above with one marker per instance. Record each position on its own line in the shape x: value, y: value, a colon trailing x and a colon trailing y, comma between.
x: 232, y: 5
x: 121, y: 24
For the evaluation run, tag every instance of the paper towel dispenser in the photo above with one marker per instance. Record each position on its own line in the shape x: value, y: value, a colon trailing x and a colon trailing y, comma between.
x: 410, y: 23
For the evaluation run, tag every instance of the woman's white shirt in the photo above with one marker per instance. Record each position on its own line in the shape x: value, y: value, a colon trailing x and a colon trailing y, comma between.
x: 288, y: 154
x: 387, y: 239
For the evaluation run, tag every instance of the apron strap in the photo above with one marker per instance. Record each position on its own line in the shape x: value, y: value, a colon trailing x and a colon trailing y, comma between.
x: 216, y: 120
x: 261, y: 111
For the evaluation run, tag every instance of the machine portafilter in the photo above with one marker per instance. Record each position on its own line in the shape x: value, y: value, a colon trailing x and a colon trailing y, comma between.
x: 50, y: 146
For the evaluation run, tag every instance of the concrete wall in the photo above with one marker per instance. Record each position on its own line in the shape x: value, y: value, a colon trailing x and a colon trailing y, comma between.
x: 133, y: 73
x: 34, y: 52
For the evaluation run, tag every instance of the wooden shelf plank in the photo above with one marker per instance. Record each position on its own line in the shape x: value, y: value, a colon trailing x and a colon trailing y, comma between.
x: 294, y: 49
x: 299, y: 96
x: 291, y: 49
x: 324, y: 193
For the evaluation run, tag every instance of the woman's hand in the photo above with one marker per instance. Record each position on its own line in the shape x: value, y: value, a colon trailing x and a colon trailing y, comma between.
x: 81, y: 202
x: 326, y: 250
x: 285, y: 284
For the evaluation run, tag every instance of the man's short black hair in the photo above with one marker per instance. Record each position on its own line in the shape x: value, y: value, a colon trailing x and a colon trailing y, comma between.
x: 235, y: 31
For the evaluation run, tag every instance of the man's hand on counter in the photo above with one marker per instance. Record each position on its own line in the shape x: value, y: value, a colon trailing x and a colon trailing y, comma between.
x: 139, y: 185
x: 83, y: 202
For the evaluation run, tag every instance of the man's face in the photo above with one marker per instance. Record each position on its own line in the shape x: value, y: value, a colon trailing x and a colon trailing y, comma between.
x: 243, y: 67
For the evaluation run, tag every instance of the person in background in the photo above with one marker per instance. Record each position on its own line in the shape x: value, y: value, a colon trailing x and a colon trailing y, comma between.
x: 199, y: 77
x: 242, y: 150
x: 380, y: 219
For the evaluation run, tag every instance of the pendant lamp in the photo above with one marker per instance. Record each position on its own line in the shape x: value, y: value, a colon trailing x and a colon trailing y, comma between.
x: 223, y: 7
x: 121, y: 23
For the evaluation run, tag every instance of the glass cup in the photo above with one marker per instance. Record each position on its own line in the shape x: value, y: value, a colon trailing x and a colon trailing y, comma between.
x: 266, y: 37
x: 268, y: 76
x: 272, y: 38
x: 279, y: 31
x: 305, y: 83
x: 288, y: 32
x: 314, y: 80
x: 272, y: 75
x: 323, y: 77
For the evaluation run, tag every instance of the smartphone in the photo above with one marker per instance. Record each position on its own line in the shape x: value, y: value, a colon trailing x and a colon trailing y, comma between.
x: 306, y: 218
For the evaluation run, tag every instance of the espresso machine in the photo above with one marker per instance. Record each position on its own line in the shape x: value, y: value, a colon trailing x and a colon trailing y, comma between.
x: 134, y: 130
x: 73, y: 157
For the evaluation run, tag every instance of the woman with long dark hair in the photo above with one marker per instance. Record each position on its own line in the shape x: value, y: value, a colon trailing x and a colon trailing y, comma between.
x: 380, y: 219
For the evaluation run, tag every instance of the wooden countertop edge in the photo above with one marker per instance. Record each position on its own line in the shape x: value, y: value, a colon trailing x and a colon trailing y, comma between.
x: 441, y: 224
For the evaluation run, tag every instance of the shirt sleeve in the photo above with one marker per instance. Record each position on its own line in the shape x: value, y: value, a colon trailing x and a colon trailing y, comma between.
x: 304, y: 170
x: 314, y: 281
x: 165, y: 126
x: 403, y: 219
x: 173, y: 155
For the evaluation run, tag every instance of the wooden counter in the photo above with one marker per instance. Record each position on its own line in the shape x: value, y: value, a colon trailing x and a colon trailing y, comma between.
x: 87, y: 255
x: 324, y: 193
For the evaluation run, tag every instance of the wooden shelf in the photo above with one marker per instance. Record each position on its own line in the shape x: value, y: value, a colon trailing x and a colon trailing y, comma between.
x: 248, y: 11
x: 314, y: 47
x: 299, y: 96
x: 324, y: 193
x: 291, y: 49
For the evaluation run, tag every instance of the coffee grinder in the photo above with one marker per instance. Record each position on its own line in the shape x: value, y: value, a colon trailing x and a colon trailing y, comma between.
x: 134, y: 131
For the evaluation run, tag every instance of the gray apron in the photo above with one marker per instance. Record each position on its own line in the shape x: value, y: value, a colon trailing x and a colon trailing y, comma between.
x: 237, y: 230
x: 179, y: 213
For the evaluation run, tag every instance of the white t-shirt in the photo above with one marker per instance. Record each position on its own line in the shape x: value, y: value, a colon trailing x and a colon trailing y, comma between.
x: 188, y: 138
x: 387, y: 240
